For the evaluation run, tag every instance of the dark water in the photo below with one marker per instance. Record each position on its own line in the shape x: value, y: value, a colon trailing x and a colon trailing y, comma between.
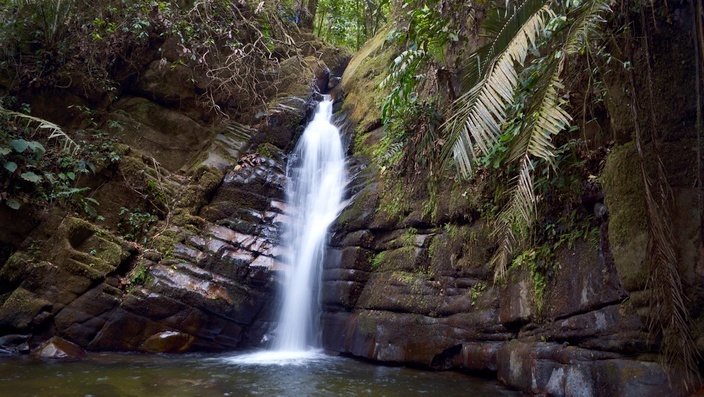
x: 218, y: 375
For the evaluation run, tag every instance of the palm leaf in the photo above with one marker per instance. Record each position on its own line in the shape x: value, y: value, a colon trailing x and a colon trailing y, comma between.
x: 546, y: 118
x: 55, y: 131
x: 479, y: 113
x: 514, y: 223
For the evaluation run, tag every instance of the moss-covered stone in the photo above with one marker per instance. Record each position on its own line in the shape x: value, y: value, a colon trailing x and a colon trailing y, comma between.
x: 460, y: 250
x: 359, y: 214
x: 403, y: 259
x: 165, y: 242
x: 268, y: 150
x: 14, y: 268
x: 361, y: 82
x: 624, y: 197
x: 20, y: 308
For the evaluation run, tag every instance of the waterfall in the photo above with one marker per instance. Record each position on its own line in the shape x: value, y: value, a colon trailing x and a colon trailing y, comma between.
x: 316, y: 182
x: 316, y: 179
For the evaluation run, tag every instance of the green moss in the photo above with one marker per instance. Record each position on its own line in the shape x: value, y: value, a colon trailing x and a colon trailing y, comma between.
x: 624, y: 197
x: 394, y: 202
x: 204, y: 180
x: 359, y: 206
x: 165, y: 243
x: 361, y: 81
x: 377, y: 261
x: 623, y: 190
x: 268, y: 150
x: 140, y: 275
x: 404, y: 258
x: 14, y: 268
x: 367, y: 324
x: 20, y: 308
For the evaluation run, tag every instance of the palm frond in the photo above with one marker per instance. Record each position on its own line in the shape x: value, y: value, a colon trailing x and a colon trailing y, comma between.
x: 547, y: 117
x: 669, y: 312
x: 516, y: 220
x: 476, y: 123
x: 547, y: 114
x: 479, y: 113
x: 499, y: 27
x: 55, y: 131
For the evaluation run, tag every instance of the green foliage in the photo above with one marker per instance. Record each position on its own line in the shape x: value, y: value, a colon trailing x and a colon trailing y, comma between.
x: 424, y: 33
x: 42, y: 165
x: 134, y: 224
x: 50, y: 43
x: 377, y: 261
x: 538, y: 261
x: 476, y: 291
x: 138, y: 276
x: 511, y: 111
x: 349, y: 23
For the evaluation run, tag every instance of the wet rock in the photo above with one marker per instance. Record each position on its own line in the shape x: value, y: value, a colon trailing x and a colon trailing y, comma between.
x: 480, y: 356
x: 168, y: 342
x: 558, y: 370
x: 59, y: 349
x: 13, y: 343
x: 517, y: 301
x: 584, y: 281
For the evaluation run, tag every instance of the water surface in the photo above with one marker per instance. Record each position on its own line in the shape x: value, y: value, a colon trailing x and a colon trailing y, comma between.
x: 227, y: 375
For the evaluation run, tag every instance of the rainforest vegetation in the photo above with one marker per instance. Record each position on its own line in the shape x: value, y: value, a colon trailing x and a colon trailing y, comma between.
x: 511, y: 93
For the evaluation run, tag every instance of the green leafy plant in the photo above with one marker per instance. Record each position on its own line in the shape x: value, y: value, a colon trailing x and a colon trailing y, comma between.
x: 477, y: 126
x: 134, y: 224
x: 138, y: 276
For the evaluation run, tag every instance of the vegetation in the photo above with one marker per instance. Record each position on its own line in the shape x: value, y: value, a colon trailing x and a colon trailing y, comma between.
x: 42, y: 165
x: 512, y: 116
x: 500, y: 113
x: 349, y: 23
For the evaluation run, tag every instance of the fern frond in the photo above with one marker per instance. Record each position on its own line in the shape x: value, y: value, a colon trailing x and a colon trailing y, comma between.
x: 478, y: 114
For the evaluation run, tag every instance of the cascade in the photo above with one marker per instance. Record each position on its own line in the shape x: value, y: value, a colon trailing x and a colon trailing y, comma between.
x: 315, y: 186
x: 316, y: 179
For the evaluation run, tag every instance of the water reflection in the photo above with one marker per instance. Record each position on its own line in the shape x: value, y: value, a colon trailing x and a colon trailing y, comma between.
x: 228, y: 375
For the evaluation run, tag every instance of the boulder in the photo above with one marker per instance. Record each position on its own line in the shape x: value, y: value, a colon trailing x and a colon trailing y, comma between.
x: 14, y: 343
x: 560, y: 370
x: 58, y: 348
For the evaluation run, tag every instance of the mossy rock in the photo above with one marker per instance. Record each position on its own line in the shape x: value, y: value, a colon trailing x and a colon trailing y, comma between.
x: 165, y: 242
x: 14, y: 268
x: 269, y: 151
x: 624, y: 196
x: 360, y: 82
x: 400, y: 259
x: 461, y: 250
x: 20, y: 308
x: 361, y: 212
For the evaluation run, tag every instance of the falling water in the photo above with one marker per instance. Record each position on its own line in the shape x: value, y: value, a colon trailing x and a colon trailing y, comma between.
x: 316, y: 179
x: 315, y: 186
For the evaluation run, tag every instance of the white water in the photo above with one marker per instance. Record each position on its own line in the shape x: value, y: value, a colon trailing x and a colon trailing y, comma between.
x: 316, y: 180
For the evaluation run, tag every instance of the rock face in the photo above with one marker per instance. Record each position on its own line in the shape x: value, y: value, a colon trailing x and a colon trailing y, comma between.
x: 408, y: 281
x: 185, y: 253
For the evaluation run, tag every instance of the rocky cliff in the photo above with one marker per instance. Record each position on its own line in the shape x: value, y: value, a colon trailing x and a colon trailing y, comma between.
x: 183, y: 250
x: 407, y: 278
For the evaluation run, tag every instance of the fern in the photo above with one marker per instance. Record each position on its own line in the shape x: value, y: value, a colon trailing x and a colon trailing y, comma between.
x: 513, y: 227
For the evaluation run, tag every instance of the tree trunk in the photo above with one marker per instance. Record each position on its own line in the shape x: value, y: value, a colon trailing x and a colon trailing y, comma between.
x: 308, y: 14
